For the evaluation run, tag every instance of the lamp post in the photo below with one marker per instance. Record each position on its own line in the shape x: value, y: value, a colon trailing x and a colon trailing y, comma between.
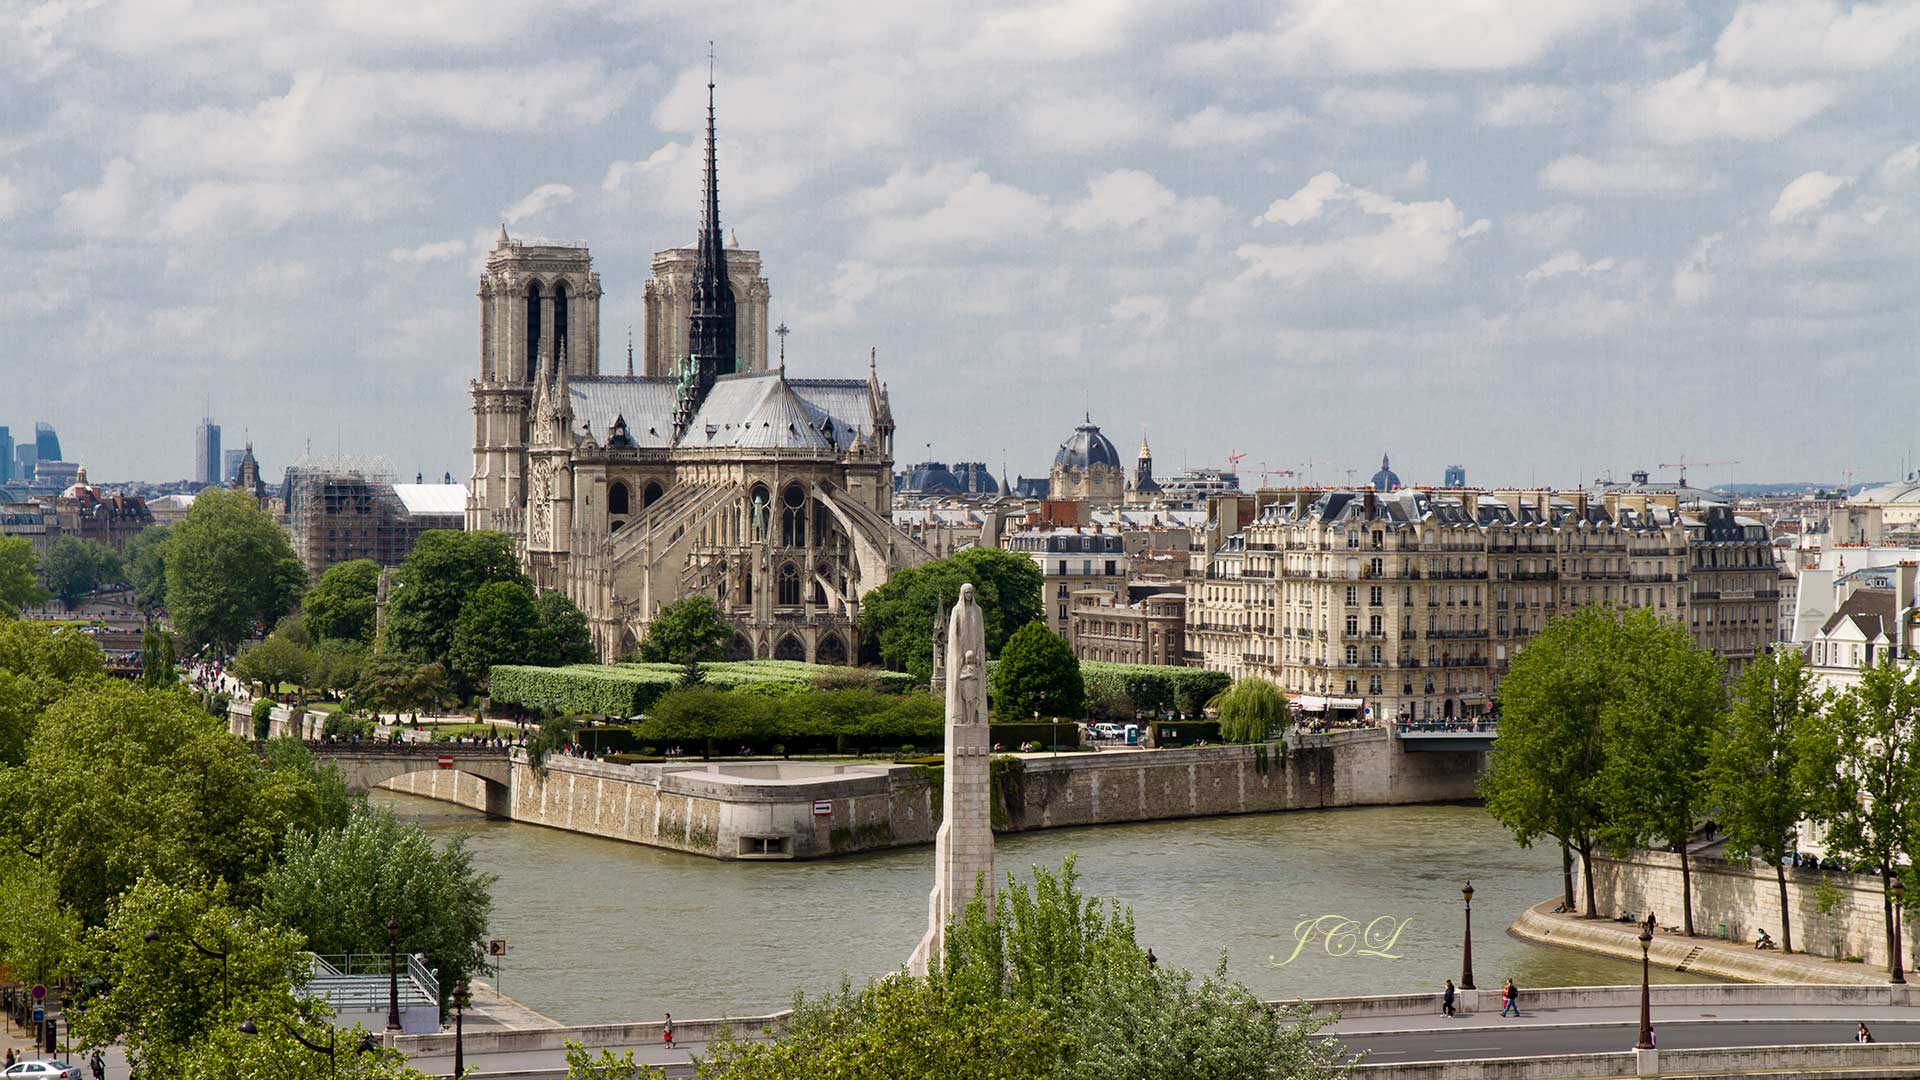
x: 1898, y: 890
x: 1646, y: 1003
x: 250, y: 1027
x: 460, y: 998
x: 393, y: 976
x: 1466, y: 945
x: 215, y: 954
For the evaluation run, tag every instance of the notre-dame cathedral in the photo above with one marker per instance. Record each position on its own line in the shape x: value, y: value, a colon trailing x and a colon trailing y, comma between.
x: 707, y: 472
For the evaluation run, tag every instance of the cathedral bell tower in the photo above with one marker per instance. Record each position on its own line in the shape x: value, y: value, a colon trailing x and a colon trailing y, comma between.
x: 539, y: 305
x: 711, y: 332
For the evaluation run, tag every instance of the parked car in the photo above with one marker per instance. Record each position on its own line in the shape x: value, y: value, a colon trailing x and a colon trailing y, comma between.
x: 43, y: 1070
x: 1108, y: 731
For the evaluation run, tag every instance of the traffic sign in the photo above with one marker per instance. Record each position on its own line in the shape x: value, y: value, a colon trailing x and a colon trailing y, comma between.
x: 39, y: 1016
x: 445, y: 761
x: 497, y: 947
x: 822, y: 807
x: 39, y: 992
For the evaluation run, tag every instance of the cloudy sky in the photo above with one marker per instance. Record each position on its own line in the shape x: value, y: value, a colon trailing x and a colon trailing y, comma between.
x: 1546, y: 239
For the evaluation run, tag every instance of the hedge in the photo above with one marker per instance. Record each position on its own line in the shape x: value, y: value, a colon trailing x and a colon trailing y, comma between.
x: 1183, y: 689
x: 1010, y: 736
x: 631, y: 689
x: 836, y: 717
x: 1185, y: 732
x: 263, y: 717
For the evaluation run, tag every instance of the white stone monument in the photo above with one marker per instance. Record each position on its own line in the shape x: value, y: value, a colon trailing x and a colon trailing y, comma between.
x: 963, y: 848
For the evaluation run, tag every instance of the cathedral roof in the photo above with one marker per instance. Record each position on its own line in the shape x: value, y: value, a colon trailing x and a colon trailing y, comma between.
x: 647, y: 405
x: 760, y: 410
x: 1087, y: 447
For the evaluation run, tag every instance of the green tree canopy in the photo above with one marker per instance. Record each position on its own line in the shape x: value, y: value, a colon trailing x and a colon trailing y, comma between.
x: 38, y: 662
x: 121, y: 782
x: 339, y: 887
x: 157, y: 659
x: 147, y: 567
x: 1037, y: 671
x: 686, y: 631
x: 76, y: 568
x: 1251, y: 710
x: 19, y: 576
x: 899, y: 615
x: 1753, y: 765
x: 498, y: 625
x: 272, y: 662
x: 444, y: 569
x: 229, y: 568
x: 340, y: 606
x: 562, y: 636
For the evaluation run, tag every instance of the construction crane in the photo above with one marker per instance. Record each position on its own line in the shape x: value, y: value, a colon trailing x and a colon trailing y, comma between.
x: 1683, y: 464
x: 1233, y: 460
x: 1266, y: 473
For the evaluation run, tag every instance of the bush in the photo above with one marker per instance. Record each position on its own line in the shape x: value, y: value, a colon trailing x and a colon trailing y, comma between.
x: 1010, y: 736
x: 218, y: 705
x: 838, y: 718
x: 1154, y: 686
x: 262, y: 717
x: 340, y: 725
x: 628, y: 690
x: 1185, y: 732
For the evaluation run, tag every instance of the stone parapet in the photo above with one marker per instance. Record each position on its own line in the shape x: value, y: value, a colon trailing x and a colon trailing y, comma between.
x: 1699, y: 955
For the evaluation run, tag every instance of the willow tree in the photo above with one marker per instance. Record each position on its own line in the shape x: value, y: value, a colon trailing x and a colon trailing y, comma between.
x: 1250, y: 710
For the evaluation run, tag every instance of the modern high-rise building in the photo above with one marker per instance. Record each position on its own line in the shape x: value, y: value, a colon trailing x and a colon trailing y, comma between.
x: 6, y: 454
x: 206, y: 452
x: 25, y: 457
x: 230, y: 466
x: 46, y: 443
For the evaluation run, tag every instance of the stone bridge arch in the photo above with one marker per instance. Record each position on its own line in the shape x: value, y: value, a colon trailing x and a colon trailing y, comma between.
x: 369, y: 765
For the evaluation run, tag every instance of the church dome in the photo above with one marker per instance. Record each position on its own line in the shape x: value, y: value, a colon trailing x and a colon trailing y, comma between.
x: 1085, y: 448
x: 933, y: 478
x: 1386, y: 479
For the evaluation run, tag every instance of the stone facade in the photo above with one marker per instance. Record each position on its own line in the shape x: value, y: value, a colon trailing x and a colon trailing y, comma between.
x: 668, y: 300
x: 1152, y: 631
x: 1070, y: 561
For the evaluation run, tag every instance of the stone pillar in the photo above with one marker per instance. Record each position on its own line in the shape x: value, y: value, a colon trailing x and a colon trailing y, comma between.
x: 963, y: 848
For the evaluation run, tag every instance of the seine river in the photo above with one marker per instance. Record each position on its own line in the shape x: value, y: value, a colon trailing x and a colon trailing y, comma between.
x: 602, y: 931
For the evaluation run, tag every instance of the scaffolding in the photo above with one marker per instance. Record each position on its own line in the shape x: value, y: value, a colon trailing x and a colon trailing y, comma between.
x: 345, y: 508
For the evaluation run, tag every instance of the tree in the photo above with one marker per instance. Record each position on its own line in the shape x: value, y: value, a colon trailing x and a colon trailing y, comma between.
x: 899, y: 615
x: 606, y: 1066
x: 335, y: 665
x: 1543, y: 779
x: 340, y: 887
x: 156, y: 659
x: 1009, y: 586
x: 1753, y: 766
x: 1057, y: 987
x: 497, y: 626
x: 229, y: 569
x: 1037, y: 671
x: 147, y: 567
x: 38, y: 662
x: 341, y: 605
x: 76, y: 568
x: 687, y: 630
x: 444, y: 569
x: 1859, y: 761
x: 121, y: 783
x: 1251, y: 710
x: 39, y: 935
x: 1667, y: 698
x: 273, y: 662
x: 19, y: 576
x: 562, y: 637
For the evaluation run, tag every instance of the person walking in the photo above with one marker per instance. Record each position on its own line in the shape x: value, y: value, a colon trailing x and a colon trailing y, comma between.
x: 99, y: 1066
x: 1446, y: 999
x: 1510, y: 999
x: 666, y: 1032
x: 1863, y: 1035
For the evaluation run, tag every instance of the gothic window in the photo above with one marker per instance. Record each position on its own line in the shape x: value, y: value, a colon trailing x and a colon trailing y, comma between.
x: 789, y: 586
x: 790, y: 648
x: 559, y: 322
x: 533, y: 331
x: 617, y: 499
x: 793, y: 516
x: 830, y: 650
x: 651, y: 494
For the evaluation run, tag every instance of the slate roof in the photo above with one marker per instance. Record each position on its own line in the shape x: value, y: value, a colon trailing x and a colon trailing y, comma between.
x: 1874, y: 613
x: 758, y: 410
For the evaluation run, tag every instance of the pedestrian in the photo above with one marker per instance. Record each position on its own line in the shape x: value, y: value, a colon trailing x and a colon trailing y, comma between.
x: 1446, y: 999
x: 9, y: 1063
x: 1510, y: 999
x: 666, y: 1032
x: 1152, y: 960
x: 99, y: 1066
x: 1863, y: 1035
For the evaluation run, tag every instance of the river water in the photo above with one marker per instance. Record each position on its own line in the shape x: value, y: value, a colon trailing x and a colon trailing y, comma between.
x: 602, y: 931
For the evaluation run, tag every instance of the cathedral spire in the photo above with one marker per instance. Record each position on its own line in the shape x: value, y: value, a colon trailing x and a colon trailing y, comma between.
x: 710, y: 330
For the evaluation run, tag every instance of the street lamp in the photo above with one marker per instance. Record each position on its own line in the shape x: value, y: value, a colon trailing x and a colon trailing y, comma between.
x: 393, y: 976
x: 1466, y: 947
x: 153, y: 935
x: 1898, y: 890
x: 365, y: 1045
x: 460, y: 999
x: 1646, y: 1003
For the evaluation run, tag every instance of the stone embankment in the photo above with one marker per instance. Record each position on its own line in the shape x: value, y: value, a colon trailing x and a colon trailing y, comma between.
x: 1698, y: 955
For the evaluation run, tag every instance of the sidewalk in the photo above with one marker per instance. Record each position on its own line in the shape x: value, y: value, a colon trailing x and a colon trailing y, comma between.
x: 493, y: 1011
x: 1700, y: 955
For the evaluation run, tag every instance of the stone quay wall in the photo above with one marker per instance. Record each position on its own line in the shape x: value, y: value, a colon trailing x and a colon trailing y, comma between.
x: 788, y: 810
x: 1746, y: 899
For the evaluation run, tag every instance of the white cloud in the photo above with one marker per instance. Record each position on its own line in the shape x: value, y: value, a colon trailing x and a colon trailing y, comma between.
x: 537, y: 202
x: 1525, y: 105
x: 1569, y: 262
x: 432, y: 252
x: 1899, y: 167
x: 1081, y: 122
x: 1373, y: 105
x: 1141, y: 314
x: 104, y: 210
x: 1548, y: 228
x: 1218, y: 126
x: 976, y: 214
x: 1380, y: 36
x: 1628, y: 175
x: 1694, y: 106
x: 1119, y: 200
x: 10, y: 197
x: 1805, y: 194
x: 1417, y: 174
x: 224, y: 206
x: 1693, y: 277
x: 1804, y: 36
x: 1415, y: 239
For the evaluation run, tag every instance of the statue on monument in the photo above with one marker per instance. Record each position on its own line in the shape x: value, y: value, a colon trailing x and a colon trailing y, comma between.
x: 963, y: 848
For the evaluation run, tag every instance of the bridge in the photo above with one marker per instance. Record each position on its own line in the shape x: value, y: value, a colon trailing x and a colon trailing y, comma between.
x: 1417, y: 736
x: 366, y: 765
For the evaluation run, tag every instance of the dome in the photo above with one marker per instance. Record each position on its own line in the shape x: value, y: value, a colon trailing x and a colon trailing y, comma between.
x: 1386, y: 479
x: 1085, y: 448
x: 933, y: 478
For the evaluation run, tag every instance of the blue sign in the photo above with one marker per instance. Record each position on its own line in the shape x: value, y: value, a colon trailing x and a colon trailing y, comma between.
x: 39, y: 1016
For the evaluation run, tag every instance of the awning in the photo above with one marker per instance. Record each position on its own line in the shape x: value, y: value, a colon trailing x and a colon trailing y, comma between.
x: 1310, y: 703
x: 1344, y: 703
